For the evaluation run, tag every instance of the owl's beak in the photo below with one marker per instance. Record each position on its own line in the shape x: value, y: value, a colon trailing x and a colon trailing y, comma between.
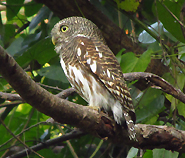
x: 53, y: 40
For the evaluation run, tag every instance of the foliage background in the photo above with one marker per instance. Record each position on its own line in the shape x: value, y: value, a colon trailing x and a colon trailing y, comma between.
x: 25, y: 28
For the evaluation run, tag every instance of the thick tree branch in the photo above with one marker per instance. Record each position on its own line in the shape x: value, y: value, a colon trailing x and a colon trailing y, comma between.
x: 98, y: 124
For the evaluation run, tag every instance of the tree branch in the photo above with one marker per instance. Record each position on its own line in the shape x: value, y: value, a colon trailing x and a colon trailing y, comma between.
x: 13, y: 97
x: 9, y: 96
x: 89, y: 120
x: 157, y: 82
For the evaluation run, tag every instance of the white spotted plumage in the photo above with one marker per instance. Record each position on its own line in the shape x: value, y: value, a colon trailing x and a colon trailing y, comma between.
x: 79, y: 51
x: 108, y: 73
x: 63, y: 66
x: 88, y: 60
x: 93, y: 66
x: 100, y: 55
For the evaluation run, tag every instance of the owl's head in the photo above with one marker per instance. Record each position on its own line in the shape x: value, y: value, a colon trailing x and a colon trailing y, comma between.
x: 67, y: 29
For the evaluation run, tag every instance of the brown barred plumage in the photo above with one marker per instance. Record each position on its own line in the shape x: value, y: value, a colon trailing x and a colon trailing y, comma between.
x: 92, y: 69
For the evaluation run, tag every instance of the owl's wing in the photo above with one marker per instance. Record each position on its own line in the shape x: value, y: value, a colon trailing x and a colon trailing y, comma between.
x: 97, y: 58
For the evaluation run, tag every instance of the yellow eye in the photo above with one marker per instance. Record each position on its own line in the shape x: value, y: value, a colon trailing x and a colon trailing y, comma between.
x: 63, y: 28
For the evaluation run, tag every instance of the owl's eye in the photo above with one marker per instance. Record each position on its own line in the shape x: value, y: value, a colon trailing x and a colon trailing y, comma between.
x: 63, y: 28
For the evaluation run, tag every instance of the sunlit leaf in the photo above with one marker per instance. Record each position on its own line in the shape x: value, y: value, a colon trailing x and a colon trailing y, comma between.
x: 181, y: 108
x: 143, y: 61
x: 128, y: 61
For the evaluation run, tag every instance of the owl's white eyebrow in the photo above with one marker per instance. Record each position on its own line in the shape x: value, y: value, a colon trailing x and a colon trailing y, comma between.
x: 81, y: 35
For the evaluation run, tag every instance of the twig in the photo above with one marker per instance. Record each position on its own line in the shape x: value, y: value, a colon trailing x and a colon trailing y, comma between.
x: 13, y: 97
x: 72, y: 135
x: 65, y: 93
x: 51, y: 87
x: 68, y: 143
x: 9, y: 96
x: 2, y: 122
x: 98, y: 148
x: 158, y: 83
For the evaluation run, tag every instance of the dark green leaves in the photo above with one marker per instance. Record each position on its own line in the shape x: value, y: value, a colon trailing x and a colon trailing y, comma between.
x: 150, y: 104
x: 13, y: 8
x: 42, y: 14
x: 31, y: 8
x: 53, y: 72
x: 167, y: 17
x: 42, y: 51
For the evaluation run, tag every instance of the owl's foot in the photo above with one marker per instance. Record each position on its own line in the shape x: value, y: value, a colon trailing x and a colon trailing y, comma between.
x: 95, y: 108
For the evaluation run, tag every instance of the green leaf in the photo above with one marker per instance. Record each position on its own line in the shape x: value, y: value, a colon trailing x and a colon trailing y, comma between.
x: 168, y: 77
x: 128, y: 62
x: 181, y: 108
x: 158, y: 29
x: 19, y: 20
x: 51, y: 23
x: 13, y: 8
x: 1, y: 43
x: 3, y: 82
x: 24, y: 108
x: 180, y: 81
x: 132, y: 152
x: 31, y: 38
x: 43, y: 14
x: 152, y: 120
x: 119, y: 55
x: 128, y: 5
x: 53, y: 72
x: 148, y: 154
x: 9, y: 32
x: 169, y: 22
x: 162, y: 153
x: 151, y: 103
x: 42, y: 51
x: 32, y: 8
x: 15, y: 46
x: 143, y: 61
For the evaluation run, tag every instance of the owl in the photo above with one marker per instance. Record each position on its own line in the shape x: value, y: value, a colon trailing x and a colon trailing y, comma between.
x: 92, y: 69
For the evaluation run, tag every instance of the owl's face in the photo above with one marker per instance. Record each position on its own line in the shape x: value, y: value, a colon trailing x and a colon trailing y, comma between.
x: 67, y: 29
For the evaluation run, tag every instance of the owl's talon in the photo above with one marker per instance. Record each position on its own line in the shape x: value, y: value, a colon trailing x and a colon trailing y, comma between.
x: 95, y: 108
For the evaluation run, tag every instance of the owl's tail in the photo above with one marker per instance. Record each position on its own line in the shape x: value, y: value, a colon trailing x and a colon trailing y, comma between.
x: 130, y: 125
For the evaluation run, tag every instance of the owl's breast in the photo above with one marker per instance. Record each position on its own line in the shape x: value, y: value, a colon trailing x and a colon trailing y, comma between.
x: 91, y: 89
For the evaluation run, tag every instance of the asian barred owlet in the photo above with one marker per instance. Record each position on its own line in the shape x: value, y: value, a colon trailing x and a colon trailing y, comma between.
x: 92, y: 69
